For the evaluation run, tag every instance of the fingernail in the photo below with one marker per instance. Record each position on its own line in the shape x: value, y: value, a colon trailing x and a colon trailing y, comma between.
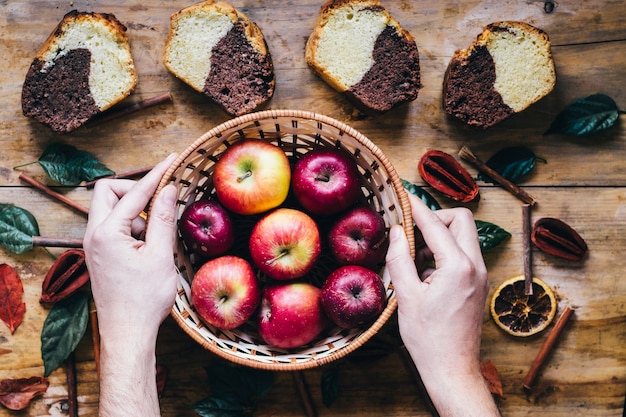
x: 395, y: 232
x: 169, y: 194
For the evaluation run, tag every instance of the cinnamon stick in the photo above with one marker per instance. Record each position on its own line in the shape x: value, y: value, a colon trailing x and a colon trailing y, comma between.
x: 57, y: 242
x: 95, y: 335
x: 130, y: 174
x: 72, y: 395
x: 528, y: 261
x: 305, y: 395
x: 545, y: 350
x: 124, y: 111
x: 50, y: 192
x: 466, y: 154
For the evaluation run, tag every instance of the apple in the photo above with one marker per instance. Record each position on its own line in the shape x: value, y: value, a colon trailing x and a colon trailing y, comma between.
x: 206, y: 228
x: 326, y: 181
x: 252, y: 176
x: 285, y: 243
x: 359, y: 237
x: 225, y: 292
x: 290, y: 314
x: 353, y: 296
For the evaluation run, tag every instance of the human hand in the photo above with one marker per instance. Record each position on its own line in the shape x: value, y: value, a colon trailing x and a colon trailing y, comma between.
x: 133, y: 281
x: 440, y: 308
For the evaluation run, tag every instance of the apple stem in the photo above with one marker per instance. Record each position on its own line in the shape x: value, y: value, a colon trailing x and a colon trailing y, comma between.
x: 222, y: 300
x: 282, y: 253
x: 322, y: 177
x: 245, y: 175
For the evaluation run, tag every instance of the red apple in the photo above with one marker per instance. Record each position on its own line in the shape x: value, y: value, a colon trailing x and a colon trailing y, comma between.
x: 326, y: 181
x: 359, y: 237
x: 285, y: 244
x: 290, y: 314
x: 353, y: 296
x: 206, y: 228
x: 225, y: 292
x: 252, y: 176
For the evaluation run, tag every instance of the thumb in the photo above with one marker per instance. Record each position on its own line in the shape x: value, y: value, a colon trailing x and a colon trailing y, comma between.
x: 161, y: 227
x: 401, y: 266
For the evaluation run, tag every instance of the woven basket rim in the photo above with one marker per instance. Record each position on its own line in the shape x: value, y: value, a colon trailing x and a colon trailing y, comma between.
x: 407, y: 224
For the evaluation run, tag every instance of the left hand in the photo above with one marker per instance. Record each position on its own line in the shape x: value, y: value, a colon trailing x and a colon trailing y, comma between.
x: 133, y: 281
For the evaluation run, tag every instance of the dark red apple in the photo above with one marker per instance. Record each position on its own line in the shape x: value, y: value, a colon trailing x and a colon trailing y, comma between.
x: 225, y: 292
x: 206, y: 228
x: 285, y: 244
x: 359, y: 237
x: 353, y: 296
x: 326, y: 181
x: 291, y: 315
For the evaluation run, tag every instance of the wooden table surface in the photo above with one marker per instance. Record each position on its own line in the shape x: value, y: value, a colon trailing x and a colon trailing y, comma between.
x: 582, y: 183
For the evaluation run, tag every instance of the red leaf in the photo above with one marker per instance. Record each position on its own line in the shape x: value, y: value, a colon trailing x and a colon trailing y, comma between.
x: 12, y: 308
x: 161, y: 378
x: 16, y: 394
x: 491, y: 375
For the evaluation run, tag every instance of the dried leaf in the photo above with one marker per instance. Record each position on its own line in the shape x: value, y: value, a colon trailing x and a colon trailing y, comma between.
x: 16, y: 394
x: 161, y: 378
x: 586, y: 115
x: 68, y: 274
x: 446, y: 175
x: 70, y: 166
x: 17, y: 228
x: 12, y: 308
x: 63, y: 329
x: 491, y: 375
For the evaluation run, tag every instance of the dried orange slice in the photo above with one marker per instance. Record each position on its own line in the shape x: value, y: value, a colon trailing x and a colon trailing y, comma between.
x: 519, y: 314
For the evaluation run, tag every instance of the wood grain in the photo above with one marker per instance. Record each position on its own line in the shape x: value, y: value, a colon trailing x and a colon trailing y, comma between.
x: 582, y: 182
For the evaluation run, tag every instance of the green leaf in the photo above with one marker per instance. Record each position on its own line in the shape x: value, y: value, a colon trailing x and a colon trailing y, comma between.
x: 219, y: 407
x: 17, y: 228
x: 428, y: 199
x: 586, y: 115
x: 69, y: 166
x: 330, y: 386
x: 490, y: 235
x: 63, y: 329
x: 235, y: 390
x: 245, y: 384
x: 513, y: 163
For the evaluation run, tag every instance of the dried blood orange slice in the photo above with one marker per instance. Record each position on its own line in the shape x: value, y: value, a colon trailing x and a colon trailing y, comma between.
x: 519, y: 314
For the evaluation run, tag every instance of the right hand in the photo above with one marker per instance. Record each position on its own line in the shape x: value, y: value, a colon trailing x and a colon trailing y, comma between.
x: 440, y: 309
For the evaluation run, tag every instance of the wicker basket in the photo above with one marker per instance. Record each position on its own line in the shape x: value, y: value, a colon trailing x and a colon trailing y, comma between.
x: 296, y: 132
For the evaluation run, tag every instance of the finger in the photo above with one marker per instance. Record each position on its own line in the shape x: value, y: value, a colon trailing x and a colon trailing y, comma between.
x: 435, y: 232
x: 162, y: 222
x: 106, y: 194
x: 461, y: 224
x: 137, y: 198
x: 400, y: 266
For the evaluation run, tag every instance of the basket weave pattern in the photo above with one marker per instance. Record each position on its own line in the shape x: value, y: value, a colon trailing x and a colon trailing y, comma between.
x: 296, y: 132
